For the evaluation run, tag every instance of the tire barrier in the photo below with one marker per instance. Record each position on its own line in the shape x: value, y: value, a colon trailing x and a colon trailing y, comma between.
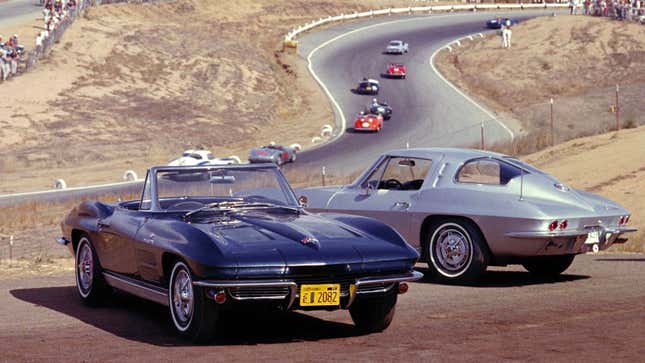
x: 327, y: 130
x: 236, y: 159
x: 60, y: 184
x: 316, y: 139
x: 130, y: 175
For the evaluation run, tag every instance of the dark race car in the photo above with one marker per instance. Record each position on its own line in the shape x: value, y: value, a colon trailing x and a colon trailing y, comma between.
x: 203, y: 240
x: 498, y: 22
x: 380, y: 108
x: 276, y: 154
x: 368, y: 86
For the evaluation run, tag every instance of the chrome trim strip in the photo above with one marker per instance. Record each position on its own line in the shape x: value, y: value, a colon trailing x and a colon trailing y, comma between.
x: 410, y: 276
x: 137, y: 288
x: 62, y: 240
x: 540, y: 234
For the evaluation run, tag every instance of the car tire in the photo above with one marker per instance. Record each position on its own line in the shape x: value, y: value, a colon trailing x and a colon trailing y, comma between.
x: 90, y: 284
x: 371, y: 315
x: 293, y: 158
x: 456, y: 250
x: 193, y: 315
x: 548, y: 266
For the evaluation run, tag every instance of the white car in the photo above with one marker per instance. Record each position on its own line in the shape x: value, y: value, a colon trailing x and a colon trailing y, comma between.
x: 396, y: 47
x: 201, y: 157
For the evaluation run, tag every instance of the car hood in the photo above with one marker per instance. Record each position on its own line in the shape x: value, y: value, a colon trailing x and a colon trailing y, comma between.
x: 289, y: 239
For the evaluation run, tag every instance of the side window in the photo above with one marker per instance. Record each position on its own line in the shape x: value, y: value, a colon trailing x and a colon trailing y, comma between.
x: 196, y: 156
x: 487, y: 171
x: 375, y: 176
x: 405, y: 173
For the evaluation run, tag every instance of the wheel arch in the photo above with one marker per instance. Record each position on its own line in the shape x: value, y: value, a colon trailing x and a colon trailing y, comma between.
x: 425, y: 229
x: 168, y: 260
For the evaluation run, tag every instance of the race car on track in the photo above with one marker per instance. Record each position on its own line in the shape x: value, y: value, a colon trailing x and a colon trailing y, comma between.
x: 368, y: 86
x: 380, y: 108
x: 395, y: 70
x: 276, y: 154
x: 469, y: 209
x: 201, y: 157
x: 396, y: 47
x: 204, y: 240
x: 498, y: 22
x: 368, y: 122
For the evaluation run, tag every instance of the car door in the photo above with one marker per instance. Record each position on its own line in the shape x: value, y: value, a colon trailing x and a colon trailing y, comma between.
x: 116, y: 245
x: 387, y: 194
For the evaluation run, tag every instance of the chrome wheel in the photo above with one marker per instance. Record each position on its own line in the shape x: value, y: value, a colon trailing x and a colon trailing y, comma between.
x: 182, y: 297
x: 84, y: 267
x: 452, y: 250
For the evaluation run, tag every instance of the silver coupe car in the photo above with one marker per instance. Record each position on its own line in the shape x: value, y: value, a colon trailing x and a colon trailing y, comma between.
x: 467, y: 209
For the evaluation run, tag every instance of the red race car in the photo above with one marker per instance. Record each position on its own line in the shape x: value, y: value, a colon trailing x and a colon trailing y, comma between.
x: 396, y: 70
x: 368, y: 122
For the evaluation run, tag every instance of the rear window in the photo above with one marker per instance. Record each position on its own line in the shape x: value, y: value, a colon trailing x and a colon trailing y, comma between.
x: 487, y: 171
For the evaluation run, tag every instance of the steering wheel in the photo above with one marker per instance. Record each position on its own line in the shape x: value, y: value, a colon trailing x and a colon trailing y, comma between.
x: 393, y: 184
x: 185, y: 205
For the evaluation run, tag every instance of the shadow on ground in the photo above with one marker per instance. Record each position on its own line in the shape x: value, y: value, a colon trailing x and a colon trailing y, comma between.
x: 139, y: 320
x: 503, y: 279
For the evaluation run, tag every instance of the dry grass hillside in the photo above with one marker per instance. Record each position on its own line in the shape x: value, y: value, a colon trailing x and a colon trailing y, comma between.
x: 612, y: 165
x: 131, y: 85
x: 576, y: 60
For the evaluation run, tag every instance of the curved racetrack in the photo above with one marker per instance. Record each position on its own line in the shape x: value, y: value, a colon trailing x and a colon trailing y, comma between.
x: 427, y: 110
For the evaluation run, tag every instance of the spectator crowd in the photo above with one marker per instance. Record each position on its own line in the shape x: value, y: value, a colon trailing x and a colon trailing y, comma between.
x: 55, y: 13
x: 631, y: 10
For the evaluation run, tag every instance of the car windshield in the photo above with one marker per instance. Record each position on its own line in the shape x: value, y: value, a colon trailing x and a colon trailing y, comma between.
x: 213, y: 185
x: 395, y: 43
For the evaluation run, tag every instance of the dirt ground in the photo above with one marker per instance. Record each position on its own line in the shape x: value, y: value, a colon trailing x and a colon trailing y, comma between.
x: 593, y: 312
x: 576, y: 60
x: 131, y: 85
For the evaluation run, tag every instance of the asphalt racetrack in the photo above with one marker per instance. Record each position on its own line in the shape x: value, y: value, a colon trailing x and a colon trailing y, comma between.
x: 592, y: 313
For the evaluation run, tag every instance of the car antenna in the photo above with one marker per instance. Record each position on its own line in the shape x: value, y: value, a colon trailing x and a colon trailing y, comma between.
x: 521, y: 184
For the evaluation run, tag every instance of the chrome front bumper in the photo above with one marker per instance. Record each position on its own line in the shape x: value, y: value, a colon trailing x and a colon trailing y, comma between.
x: 271, y: 289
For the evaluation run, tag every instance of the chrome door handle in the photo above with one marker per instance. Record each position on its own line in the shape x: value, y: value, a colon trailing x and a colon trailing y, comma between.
x: 102, y: 224
x: 402, y: 205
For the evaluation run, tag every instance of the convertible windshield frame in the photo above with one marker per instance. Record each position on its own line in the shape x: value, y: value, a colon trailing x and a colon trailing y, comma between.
x: 151, y: 189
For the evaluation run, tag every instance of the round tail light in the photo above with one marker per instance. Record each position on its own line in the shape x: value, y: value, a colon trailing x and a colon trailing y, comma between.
x: 553, y: 225
x: 626, y: 219
x: 564, y: 224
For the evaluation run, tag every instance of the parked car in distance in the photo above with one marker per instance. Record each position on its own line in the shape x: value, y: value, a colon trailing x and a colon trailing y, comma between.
x: 204, y: 240
x: 380, y: 108
x: 368, y: 122
x: 395, y: 70
x: 277, y: 154
x: 201, y: 157
x: 498, y: 22
x: 396, y: 47
x: 368, y: 86
x: 469, y: 209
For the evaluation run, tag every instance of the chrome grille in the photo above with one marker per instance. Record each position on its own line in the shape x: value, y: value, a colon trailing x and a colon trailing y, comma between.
x: 259, y: 292
x: 378, y: 287
x: 344, y: 282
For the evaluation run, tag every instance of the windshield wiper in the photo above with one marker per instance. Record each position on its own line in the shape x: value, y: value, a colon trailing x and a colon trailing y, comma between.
x: 237, y: 204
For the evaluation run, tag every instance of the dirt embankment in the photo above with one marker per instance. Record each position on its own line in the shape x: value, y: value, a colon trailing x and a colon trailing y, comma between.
x: 576, y: 60
x: 132, y: 85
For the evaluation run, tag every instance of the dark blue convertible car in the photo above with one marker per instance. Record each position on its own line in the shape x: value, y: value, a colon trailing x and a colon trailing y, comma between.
x: 205, y: 239
x: 498, y: 22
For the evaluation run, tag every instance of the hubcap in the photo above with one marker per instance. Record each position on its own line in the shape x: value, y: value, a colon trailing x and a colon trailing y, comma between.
x: 85, y: 267
x: 452, y: 250
x: 182, y: 301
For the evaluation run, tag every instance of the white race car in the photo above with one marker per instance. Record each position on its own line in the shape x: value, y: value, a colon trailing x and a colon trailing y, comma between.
x: 201, y: 157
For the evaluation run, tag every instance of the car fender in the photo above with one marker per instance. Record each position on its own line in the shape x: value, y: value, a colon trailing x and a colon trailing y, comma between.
x: 370, y: 226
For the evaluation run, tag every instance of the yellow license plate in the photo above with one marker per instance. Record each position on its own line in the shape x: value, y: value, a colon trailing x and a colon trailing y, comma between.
x: 369, y: 88
x: 320, y: 295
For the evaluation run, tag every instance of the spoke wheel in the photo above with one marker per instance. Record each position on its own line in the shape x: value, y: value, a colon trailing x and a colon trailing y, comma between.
x: 90, y: 284
x: 456, y: 250
x: 193, y: 315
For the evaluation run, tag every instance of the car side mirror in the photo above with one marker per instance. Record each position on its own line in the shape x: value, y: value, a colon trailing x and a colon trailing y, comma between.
x: 368, y: 191
x: 303, y: 201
